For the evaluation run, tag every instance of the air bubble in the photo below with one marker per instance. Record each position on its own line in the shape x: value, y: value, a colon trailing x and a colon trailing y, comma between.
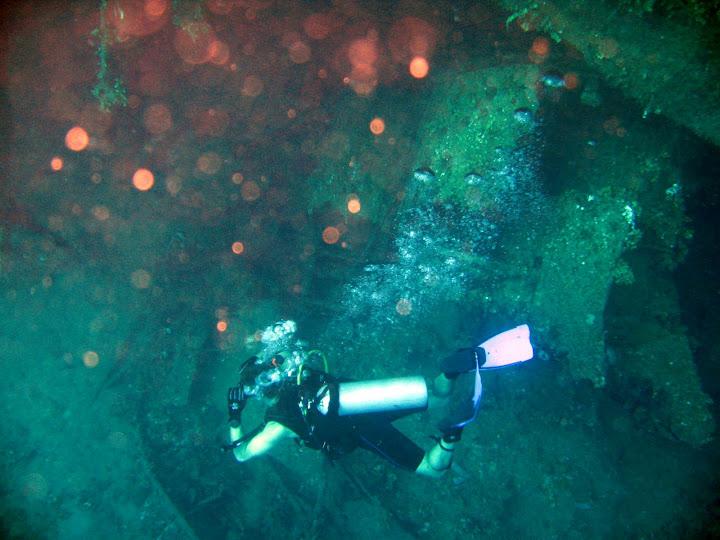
x: 473, y: 179
x: 523, y: 115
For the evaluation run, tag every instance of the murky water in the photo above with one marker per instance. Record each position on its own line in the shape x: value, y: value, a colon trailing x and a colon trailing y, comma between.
x: 400, y: 179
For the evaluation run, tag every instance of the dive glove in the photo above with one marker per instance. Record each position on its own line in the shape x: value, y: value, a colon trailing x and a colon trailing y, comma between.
x: 236, y: 403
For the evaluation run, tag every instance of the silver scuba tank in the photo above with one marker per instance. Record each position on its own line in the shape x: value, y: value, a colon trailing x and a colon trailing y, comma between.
x: 382, y: 395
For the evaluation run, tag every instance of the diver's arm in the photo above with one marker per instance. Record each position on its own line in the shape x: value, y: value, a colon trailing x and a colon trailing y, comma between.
x: 267, y: 438
x: 259, y: 441
x: 236, y: 432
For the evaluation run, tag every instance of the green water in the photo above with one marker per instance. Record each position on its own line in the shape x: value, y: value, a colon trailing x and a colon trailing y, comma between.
x: 556, y: 166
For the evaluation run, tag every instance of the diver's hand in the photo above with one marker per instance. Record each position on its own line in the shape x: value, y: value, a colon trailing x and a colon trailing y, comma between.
x: 236, y: 401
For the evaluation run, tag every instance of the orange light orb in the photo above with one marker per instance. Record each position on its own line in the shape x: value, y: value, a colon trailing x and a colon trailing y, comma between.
x: 237, y: 248
x: 221, y: 326
x: 419, y: 67
x: 154, y: 9
x: 209, y: 163
x: 571, y: 81
x: 377, y: 126
x: 141, y: 279
x: 403, y: 307
x: 101, y: 213
x: 220, y: 7
x: 77, y: 139
x: 353, y: 205
x: 330, y: 235
x: 56, y: 163
x: 91, y: 359
x: 363, y: 52
x: 134, y: 18
x: 318, y: 25
x: 157, y: 118
x: 193, y: 41
x: 299, y: 52
x: 252, y: 86
x: 250, y: 191
x: 607, y: 48
x: 541, y: 46
x: 143, y: 179
x: 219, y: 52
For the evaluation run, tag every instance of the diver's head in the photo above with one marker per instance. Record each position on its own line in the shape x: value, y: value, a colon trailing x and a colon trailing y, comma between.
x: 279, y: 362
x: 259, y: 378
x: 264, y: 378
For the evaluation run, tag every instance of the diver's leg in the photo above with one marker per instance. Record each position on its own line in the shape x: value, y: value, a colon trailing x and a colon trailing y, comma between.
x: 459, y: 381
x: 382, y: 438
x: 437, y: 460
x: 385, y: 440
x: 442, y: 385
x: 461, y: 361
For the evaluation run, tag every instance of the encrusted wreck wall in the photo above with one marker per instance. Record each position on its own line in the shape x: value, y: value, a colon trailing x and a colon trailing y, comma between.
x: 658, y: 63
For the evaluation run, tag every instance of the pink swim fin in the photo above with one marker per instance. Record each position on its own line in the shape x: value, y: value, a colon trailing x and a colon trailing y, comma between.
x: 509, y: 347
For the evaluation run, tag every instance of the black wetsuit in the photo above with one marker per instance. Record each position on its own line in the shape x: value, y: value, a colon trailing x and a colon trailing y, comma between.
x: 335, y: 435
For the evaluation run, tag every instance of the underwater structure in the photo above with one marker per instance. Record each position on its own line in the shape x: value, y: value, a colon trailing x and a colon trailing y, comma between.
x: 540, y: 172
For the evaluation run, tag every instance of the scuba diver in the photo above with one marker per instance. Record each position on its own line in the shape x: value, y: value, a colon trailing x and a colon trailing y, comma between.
x: 337, y: 415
